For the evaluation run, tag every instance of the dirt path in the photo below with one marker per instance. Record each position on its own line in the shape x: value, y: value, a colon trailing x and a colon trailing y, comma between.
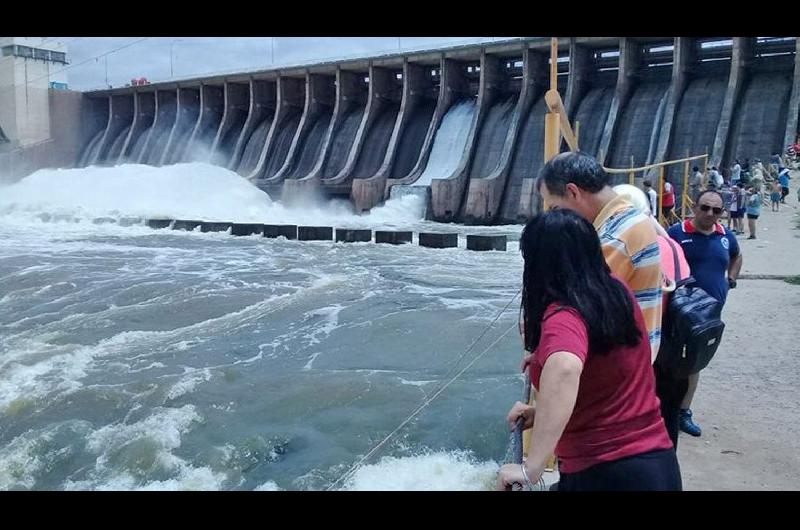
x: 748, y: 399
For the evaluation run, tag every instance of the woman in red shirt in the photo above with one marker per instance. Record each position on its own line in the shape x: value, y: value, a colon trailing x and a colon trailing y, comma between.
x: 596, y: 406
x: 667, y: 198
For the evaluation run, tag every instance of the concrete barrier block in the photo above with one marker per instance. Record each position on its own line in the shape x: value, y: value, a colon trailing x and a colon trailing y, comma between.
x: 434, y: 240
x: 287, y: 231
x: 486, y: 242
x: 214, y: 226
x: 159, y: 223
x: 393, y: 238
x: 184, y: 224
x: 348, y: 235
x: 246, y: 229
x: 130, y: 221
x: 315, y: 233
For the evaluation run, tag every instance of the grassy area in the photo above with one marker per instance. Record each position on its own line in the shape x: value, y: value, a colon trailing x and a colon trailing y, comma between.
x: 794, y: 280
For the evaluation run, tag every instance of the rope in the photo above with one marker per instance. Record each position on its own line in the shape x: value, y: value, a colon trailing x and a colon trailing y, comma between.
x: 419, y: 409
x: 474, y: 342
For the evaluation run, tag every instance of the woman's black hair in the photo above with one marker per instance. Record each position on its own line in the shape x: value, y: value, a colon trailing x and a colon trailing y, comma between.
x: 564, y: 265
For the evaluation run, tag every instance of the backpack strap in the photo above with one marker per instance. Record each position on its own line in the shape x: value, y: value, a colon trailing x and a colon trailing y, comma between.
x: 675, y: 259
x: 679, y: 282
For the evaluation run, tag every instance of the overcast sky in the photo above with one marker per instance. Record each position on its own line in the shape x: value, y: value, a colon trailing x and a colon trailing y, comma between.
x: 162, y: 58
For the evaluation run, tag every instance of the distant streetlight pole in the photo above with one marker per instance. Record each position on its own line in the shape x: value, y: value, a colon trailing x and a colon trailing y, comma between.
x: 272, y: 50
x: 399, y: 47
x: 106, y: 61
x: 171, y: 66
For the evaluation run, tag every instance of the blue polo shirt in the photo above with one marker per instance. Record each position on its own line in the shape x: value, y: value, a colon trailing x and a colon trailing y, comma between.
x: 708, y: 255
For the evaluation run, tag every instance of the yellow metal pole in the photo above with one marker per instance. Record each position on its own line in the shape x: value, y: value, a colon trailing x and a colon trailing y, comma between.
x: 684, y: 192
x: 660, y: 195
x: 552, y: 141
x: 630, y: 176
x: 553, y: 63
x: 577, y: 133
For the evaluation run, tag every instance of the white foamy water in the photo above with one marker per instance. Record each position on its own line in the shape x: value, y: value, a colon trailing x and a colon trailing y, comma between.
x: 456, y: 471
x: 182, y: 191
x: 449, y: 143
x: 133, y: 358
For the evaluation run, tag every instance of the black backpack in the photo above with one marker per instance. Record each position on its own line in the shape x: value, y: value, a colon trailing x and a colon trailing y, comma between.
x: 691, y: 329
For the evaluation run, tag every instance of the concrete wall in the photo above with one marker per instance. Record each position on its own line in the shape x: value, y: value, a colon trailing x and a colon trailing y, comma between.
x: 61, y: 150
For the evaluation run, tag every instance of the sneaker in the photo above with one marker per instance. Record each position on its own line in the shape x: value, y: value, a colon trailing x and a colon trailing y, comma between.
x: 687, y: 425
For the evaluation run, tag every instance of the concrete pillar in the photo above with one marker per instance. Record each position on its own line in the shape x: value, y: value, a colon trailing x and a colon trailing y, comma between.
x: 382, y: 84
x: 291, y: 95
x: 349, y: 91
x: 183, y: 224
x: 159, y: 223
x: 485, y: 194
x: 529, y: 198
x: 453, y: 86
x: 447, y: 194
x: 287, y: 231
x: 212, y: 106
x: 315, y: 233
x: 684, y: 57
x: 320, y: 92
x: 213, y: 226
x: 742, y: 52
x: 247, y: 229
x: 580, y: 58
x: 263, y: 99
x: 236, y: 107
x: 188, y: 113
x: 794, y: 101
x: 434, y: 240
x: 166, y: 112
x: 393, y: 238
x: 367, y: 192
x: 486, y: 242
x: 347, y: 235
x: 121, y: 115
x: 143, y: 117
x: 94, y: 116
x: 629, y: 56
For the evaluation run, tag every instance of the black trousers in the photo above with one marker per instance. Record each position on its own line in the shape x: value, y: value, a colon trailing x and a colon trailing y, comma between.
x: 670, y: 392
x: 653, y: 471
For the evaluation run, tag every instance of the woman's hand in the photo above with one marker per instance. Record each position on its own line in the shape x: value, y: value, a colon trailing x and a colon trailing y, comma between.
x: 521, y: 410
x: 509, y: 475
x: 526, y: 360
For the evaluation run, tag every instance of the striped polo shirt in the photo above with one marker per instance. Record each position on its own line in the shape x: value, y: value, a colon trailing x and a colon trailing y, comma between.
x: 631, y: 250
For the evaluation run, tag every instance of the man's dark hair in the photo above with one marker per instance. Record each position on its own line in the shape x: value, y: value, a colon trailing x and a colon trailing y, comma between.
x: 578, y: 168
x: 564, y: 265
x: 695, y: 168
x: 705, y: 192
x: 647, y: 183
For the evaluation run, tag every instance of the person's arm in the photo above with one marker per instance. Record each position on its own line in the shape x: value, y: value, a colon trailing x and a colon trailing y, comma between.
x: 554, y: 405
x: 734, y: 267
x: 559, y: 389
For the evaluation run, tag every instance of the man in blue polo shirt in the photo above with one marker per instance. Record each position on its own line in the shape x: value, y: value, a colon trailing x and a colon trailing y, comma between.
x: 712, y: 252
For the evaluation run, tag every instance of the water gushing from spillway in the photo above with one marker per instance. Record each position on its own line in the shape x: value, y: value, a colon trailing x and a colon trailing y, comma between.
x: 449, y: 143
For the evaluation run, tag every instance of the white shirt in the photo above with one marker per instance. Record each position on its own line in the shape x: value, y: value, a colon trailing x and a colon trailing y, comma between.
x: 653, y: 196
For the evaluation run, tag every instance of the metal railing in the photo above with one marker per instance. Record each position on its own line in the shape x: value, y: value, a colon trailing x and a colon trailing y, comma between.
x: 685, y: 199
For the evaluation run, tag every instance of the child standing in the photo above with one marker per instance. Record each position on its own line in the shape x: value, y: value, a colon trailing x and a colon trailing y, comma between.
x: 753, y: 210
x: 775, y: 196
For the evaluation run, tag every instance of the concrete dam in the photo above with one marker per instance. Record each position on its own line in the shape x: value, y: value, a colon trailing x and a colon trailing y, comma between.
x: 462, y: 125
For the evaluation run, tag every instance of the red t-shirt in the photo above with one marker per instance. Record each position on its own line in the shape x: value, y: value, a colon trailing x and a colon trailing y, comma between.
x: 617, y: 412
x: 667, y: 195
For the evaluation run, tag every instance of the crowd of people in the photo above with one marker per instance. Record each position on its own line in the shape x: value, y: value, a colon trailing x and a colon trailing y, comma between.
x: 599, y: 274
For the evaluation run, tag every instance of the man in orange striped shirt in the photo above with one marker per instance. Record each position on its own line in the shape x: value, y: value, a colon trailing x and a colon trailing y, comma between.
x: 578, y: 182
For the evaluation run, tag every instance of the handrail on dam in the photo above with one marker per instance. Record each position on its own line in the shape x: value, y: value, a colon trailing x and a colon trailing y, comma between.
x: 685, y: 199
